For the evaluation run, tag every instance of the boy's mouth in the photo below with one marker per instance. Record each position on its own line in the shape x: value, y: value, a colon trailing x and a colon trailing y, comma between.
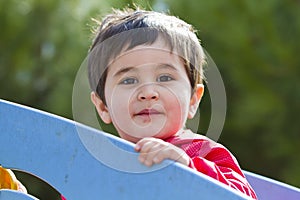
x: 147, y: 112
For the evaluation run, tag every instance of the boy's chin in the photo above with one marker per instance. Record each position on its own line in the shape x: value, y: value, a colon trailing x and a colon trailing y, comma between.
x: 135, y: 137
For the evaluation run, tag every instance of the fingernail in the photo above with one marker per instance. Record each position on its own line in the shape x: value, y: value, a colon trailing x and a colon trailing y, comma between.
x: 148, y: 163
x: 141, y: 159
x: 137, y: 147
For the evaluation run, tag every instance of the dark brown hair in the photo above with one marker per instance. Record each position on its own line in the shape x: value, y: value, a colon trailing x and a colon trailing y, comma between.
x: 125, y: 29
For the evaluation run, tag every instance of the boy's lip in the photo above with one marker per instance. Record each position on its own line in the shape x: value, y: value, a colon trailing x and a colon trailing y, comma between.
x: 147, y: 111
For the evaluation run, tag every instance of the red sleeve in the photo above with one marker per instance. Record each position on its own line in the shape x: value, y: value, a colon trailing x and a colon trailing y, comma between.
x: 217, y: 162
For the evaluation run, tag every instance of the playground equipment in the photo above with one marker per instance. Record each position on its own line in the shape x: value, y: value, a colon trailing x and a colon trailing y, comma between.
x: 85, y: 163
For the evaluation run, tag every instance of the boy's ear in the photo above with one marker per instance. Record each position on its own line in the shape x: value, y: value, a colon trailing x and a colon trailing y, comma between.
x: 195, y: 100
x: 101, y: 108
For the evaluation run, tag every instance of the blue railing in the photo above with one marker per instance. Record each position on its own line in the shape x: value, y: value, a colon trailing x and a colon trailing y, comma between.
x: 85, y: 163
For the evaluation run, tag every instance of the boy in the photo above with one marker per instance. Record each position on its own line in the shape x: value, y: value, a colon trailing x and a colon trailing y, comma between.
x: 145, y: 72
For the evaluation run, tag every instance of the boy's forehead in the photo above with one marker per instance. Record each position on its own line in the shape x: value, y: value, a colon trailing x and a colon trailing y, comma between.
x: 145, y: 54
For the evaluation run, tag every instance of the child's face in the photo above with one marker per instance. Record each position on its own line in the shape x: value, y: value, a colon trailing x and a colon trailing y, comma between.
x: 148, y: 93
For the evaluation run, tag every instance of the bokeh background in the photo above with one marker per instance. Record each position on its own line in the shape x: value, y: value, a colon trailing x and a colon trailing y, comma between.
x: 255, y: 45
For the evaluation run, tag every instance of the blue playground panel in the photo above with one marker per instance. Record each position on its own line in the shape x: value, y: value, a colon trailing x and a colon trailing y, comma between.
x: 85, y: 163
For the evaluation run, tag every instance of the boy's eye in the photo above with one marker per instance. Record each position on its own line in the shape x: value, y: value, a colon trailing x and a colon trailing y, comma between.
x: 164, y: 78
x: 128, y: 81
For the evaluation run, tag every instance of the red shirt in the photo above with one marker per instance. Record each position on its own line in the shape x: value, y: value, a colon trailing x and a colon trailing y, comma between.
x: 212, y: 159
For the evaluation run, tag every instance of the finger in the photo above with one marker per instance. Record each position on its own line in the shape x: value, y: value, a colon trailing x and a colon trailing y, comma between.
x: 164, y: 153
x: 140, y: 144
x: 159, y: 157
x: 147, y: 158
x: 176, y: 154
x: 149, y: 146
x: 148, y: 149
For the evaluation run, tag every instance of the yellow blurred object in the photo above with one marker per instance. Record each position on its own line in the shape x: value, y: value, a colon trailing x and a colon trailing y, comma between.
x: 8, y: 179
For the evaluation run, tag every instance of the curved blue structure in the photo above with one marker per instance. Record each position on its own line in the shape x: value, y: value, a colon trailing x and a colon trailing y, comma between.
x: 85, y: 163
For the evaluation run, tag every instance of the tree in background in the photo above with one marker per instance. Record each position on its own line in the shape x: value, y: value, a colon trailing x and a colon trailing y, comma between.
x: 254, y: 44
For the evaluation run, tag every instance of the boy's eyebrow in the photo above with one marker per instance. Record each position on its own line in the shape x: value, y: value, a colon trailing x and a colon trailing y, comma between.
x: 124, y: 70
x: 166, y: 66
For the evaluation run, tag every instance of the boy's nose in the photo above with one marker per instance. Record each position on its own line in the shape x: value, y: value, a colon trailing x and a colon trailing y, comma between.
x: 148, y: 93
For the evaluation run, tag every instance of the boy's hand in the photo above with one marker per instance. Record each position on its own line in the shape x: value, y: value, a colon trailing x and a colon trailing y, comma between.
x: 153, y: 151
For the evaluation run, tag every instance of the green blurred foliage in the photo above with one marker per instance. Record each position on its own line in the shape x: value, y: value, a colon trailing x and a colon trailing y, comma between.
x: 254, y: 44
x: 42, y: 44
